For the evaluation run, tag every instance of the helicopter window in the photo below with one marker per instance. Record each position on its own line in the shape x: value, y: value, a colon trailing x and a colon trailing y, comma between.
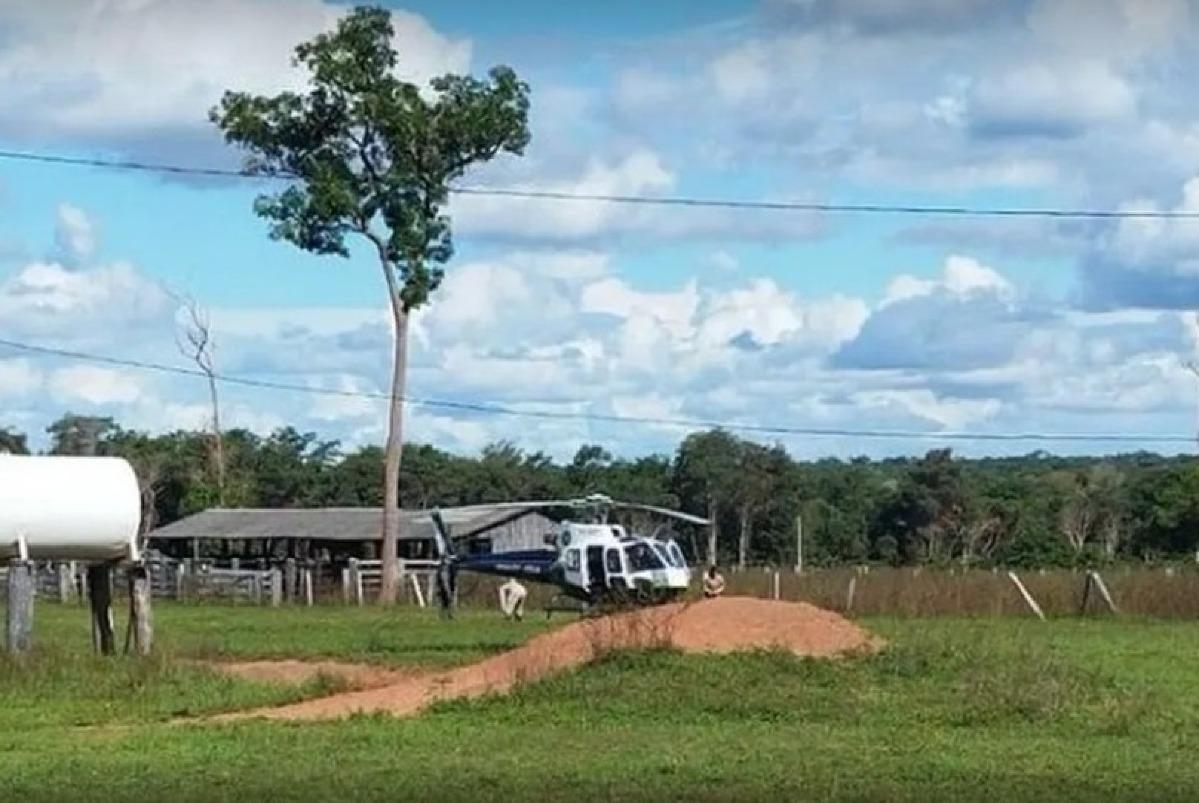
x: 613, y: 562
x: 664, y: 554
x: 641, y: 558
x: 676, y: 555
x: 572, y: 560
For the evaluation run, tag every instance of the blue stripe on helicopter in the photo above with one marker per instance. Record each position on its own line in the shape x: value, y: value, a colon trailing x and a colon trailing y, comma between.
x: 530, y: 564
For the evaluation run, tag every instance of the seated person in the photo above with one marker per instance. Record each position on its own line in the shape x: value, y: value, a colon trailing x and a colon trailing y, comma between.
x: 713, y: 583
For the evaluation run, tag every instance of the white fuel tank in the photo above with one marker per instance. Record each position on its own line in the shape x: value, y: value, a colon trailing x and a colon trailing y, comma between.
x: 68, y: 508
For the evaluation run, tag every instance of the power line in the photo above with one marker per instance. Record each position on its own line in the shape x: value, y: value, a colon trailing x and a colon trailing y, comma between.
x: 497, y: 409
x: 651, y: 200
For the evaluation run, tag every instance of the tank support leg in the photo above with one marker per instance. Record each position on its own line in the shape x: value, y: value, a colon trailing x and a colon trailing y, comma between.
x: 20, y: 606
x: 99, y: 588
x: 141, y: 622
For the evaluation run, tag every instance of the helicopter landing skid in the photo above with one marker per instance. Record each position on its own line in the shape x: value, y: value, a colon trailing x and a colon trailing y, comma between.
x: 565, y: 604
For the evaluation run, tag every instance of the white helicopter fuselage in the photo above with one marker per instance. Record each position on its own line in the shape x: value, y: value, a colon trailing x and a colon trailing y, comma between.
x: 598, y: 559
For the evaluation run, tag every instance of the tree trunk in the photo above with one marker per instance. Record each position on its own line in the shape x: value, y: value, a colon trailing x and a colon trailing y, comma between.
x: 743, y: 538
x: 218, y: 441
x: 711, y: 531
x: 390, y: 580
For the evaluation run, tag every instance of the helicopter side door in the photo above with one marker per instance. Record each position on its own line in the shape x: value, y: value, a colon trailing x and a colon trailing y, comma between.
x: 573, y: 565
x: 614, y: 564
x: 595, y: 569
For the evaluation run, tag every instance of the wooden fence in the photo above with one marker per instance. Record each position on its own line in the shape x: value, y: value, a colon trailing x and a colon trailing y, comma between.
x: 1166, y: 591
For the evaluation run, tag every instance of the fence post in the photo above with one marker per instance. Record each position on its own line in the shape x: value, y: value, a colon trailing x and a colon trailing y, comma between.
x: 290, y: 580
x: 1094, y: 577
x: 65, y: 583
x: 276, y: 587
x: 853, y: 587
x: 775, y: 584
x: 356, y: 581
x: 20, y: 606
x: 345, y: 586
x: 1032, y: 603
x: 420, y: 598
x: 308, y: 587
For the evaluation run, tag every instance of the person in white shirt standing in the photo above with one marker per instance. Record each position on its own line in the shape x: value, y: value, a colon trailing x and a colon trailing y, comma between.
x: 512, y: 599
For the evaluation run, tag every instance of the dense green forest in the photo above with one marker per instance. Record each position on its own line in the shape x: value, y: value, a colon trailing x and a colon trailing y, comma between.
x: 1032, y: 510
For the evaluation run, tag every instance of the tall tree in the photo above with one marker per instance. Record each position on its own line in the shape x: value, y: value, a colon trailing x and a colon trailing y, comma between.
x: 373, y: 156
x: 587, y: 469
x: 706, y: 474
x: 760, y: 474
x: 13, y: 442
x: 79, y: 434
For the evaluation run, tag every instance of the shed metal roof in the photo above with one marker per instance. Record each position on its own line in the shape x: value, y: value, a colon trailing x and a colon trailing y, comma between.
x: 331, y: 523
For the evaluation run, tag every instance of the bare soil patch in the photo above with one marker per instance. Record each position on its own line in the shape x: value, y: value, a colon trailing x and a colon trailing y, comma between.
x: 731, y: 624
x: 292, y: 672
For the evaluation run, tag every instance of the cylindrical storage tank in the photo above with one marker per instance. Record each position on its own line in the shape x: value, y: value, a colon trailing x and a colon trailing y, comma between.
x: 68, y: 508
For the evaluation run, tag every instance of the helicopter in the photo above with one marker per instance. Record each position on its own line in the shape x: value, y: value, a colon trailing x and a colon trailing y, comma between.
x: 591, y: 562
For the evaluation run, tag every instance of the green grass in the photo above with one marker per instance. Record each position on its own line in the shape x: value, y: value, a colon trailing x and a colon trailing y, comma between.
x: 398, y: 637
x: 998, y: 709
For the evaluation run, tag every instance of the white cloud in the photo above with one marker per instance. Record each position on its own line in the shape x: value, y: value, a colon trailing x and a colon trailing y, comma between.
x: 1051, y: 98
x: 476, y: 294
x: 75, y: 68
x: 48, y: 299
x: 641, y: 172
x: 742, y: 75
x: 94, y: 385
x: 946, y: 413
x: 354, y: 403
x: 961, y: 276
x: 18, y: 377
x: 1147, y: 262
x: 75, y: 234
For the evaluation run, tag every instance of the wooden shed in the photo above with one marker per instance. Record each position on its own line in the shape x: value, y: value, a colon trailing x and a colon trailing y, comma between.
x: 332, y: 533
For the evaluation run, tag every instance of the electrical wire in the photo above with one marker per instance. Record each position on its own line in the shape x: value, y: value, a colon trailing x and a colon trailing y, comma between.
x: 488, y: 408
x: 649, y: 200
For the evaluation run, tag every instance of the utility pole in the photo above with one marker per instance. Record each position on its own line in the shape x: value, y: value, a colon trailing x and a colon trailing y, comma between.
x: 799, y: 543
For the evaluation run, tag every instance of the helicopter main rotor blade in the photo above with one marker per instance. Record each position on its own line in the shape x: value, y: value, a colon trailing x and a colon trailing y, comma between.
x: 488, y: 506
x: 661, y: 511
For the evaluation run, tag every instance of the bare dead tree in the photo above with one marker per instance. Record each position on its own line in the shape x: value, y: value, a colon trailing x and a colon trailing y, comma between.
x: 196, y: 343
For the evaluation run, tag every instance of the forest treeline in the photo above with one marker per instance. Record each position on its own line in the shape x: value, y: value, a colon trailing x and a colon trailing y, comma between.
x: 1034, y: 510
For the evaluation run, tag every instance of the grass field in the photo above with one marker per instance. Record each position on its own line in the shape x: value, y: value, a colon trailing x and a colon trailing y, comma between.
x: 999, y: 709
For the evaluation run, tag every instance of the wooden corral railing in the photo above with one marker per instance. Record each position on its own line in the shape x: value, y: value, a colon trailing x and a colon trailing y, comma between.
x: 1162, y: 591
x: 361, y: 580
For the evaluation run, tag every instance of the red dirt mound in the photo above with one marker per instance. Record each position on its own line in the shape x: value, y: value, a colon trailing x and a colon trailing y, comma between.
x: 723, y: 625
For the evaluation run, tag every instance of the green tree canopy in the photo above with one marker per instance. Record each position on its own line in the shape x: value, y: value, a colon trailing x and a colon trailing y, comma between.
x: 372, y: 156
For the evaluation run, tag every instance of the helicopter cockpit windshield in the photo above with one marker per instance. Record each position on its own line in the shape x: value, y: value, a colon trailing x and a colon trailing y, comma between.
x: 674, y: 555
x: 643, y: 558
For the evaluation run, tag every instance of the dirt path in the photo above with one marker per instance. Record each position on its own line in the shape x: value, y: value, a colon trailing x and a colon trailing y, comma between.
x: 724, y: 625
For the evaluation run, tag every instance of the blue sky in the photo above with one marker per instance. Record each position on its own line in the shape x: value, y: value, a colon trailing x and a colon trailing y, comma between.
x: 916, y: 323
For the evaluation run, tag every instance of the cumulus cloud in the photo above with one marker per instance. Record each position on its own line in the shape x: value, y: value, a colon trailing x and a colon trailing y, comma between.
x: 74, y: 234
x: 590, y: 223
x: 18, y: 378
x: 48, y: 299
x: 965, y: 319
x: 94, y: 385
x: 1146, y: 262
x: 1074, y: 97
x: 133, y: 73
x: 1050, y: 99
